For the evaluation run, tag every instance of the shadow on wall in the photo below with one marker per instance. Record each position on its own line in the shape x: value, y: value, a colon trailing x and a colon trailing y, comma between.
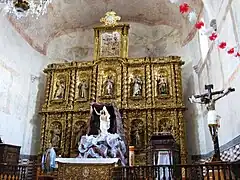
x: 190, y: 115
x: 36, y: 119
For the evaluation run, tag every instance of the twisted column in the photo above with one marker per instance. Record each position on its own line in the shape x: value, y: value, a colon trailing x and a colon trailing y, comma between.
x: 67, y: 138
x: 178, y: 84
x: 148, y: 85
x: 125, y: 86
x: 71, y: 89
x: 182, y: 138
x: 149, y: 124
x: 43, y: 136
x: 93, y: 84
x: 47, y: 90
x: 126, y: 125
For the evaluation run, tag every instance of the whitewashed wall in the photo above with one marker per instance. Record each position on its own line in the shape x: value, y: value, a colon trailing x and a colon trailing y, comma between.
x: 21, y: 83
x: 220, y: 69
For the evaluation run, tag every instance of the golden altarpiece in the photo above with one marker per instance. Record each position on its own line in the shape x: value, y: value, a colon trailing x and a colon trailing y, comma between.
x: 147, y: 91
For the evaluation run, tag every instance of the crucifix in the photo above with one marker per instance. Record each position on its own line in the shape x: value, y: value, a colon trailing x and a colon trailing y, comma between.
x: 212, y: 117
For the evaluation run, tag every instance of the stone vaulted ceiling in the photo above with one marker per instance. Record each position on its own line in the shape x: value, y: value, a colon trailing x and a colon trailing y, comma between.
x: 68, y: 25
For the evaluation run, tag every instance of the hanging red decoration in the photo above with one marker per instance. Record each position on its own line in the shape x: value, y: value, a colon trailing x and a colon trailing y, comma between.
x: 184, y: 8
x: 222, y: 45
x: 213, y: 36
x: 237, y: 55
x: 199, y: 25
x: 231, y: 51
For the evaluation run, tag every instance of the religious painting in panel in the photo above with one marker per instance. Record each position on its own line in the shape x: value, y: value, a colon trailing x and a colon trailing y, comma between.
x: 55, y: 134
x: 136, y: 86
x: 137, y: 133
x: 110, y: 43
x: 166, y: 121
x: 165, y: 125
x: 79, y: 129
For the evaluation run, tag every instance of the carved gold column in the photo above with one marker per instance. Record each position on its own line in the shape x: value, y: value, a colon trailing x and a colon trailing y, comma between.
x: 178, y: 84
x: 124, y: 86
x: 182, y: 138
x: 69, y: 123
x: 126, y: 126
x: 149, y: 99
x: 43, y: 128
x: 94, y: 81
x: 47, y: 90
x: 71, y: 89
x: 148, y: 84
x: 46, y: 132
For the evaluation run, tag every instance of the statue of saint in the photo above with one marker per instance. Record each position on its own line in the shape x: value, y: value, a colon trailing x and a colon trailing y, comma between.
x: 109, y: 83
x: 162, y: 85
x: 83, y: 89
x: 137, y: 86
x: 60, y: 89
x: 104, y: 120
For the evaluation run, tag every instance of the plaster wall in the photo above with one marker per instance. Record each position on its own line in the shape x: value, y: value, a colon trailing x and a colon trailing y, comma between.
x: 21, y: 88
x: 220, y: 69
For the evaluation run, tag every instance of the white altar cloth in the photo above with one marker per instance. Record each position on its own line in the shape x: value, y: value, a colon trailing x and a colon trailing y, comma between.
x: 87, y: 160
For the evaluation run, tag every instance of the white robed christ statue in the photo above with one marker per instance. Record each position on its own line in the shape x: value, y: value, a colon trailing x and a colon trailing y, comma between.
x: 104, y: 120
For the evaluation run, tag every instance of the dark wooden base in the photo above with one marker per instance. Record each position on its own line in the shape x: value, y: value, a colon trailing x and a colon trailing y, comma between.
x: 45, y: 177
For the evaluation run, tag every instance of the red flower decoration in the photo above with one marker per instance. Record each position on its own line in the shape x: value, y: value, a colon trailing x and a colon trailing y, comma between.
x: 237, y: 55
x: 222, y: 45
x: 231, y: 51
x: 184, y: 8
x: 213, y: 36
x: 199, y: 25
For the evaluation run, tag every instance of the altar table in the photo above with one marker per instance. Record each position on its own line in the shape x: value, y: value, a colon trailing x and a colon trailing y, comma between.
x: 86, y: 169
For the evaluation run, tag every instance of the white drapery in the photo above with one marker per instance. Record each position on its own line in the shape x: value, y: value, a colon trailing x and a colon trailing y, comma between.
x: 163, y: 158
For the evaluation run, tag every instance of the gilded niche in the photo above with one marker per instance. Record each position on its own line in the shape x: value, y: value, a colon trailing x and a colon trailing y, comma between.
x: 137, y: 133
x: 83, y: 90
x: 59, y: 87
x: 56, y: 133
x: 162, y: 85
x: 79, y: 129
x: 136, y: 86
x: 165, y: 125
x: 108, y: 84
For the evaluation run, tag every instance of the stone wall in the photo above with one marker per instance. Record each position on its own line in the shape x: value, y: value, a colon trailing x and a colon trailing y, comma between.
x: 222, y: 70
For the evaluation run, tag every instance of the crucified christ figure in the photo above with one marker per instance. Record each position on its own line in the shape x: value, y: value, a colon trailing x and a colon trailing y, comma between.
x: 212, y: 117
